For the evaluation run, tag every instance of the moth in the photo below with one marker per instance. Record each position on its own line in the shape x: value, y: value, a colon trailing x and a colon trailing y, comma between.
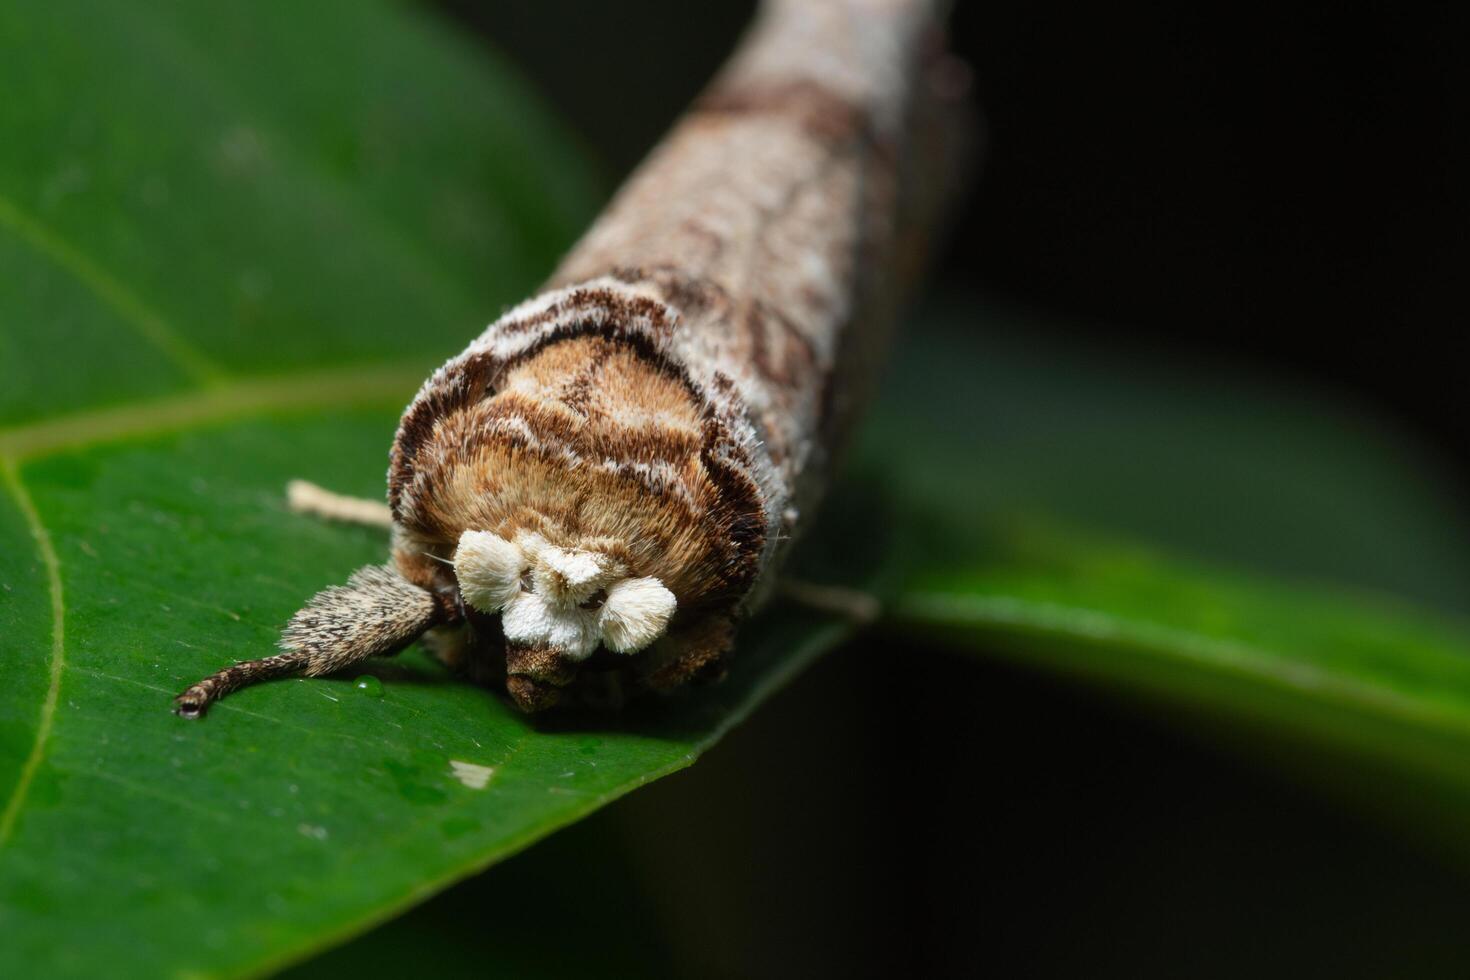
x: 591, y: 497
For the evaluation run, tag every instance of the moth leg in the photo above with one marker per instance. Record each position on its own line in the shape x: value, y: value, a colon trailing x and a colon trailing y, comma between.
x: 853, y: 604
x: 308, y: 498
x: 378, y: 612
x: 197, y: 699
x: 695, y: 653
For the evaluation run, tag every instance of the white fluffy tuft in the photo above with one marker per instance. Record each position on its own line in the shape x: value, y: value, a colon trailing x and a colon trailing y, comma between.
x: 551, y: 615
x: 531, y: 621
x: 635, y: 614
x: 570, y: 577
x: 489, y: 570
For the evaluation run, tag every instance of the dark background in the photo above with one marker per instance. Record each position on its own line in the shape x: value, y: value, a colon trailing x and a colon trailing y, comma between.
x: 1276, y: 190
x: 1279, y: 185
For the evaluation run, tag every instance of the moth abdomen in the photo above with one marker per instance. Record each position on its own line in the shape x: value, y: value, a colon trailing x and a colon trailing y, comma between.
x: 594, y: 496
x: 611, y: 472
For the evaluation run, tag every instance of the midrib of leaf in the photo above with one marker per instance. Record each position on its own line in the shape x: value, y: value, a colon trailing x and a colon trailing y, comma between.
x: 298, y: 391
x: 47, y: 553
x: 141, y: 318
x: 1022, y: 616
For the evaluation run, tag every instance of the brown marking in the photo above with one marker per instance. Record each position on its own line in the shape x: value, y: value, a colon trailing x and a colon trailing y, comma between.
x: 741, y: 525
x: 556, y: 430
x: 613, y: 312
x: 576, y: 394
x: 689, y: 293
x: 795, y: 362
x: 698, y: 231
x: 605, y: 314
x: 446, y: 394
x: 821, y: 113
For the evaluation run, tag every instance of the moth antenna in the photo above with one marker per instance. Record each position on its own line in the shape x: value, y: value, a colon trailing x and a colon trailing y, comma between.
x: 851, y: 604
x: 304, y: 497
x: 377, y: 613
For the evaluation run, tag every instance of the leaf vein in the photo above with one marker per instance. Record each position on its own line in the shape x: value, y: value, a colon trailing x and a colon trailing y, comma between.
x: 302, y: 390
x: 47, y: 553
x: 1082, y: 623
x: 145, y: 321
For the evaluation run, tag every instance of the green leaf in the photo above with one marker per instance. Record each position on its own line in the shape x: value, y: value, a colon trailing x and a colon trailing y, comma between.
x: 1217, y: 510
x: 1202, y: 456
x: 235, y: 239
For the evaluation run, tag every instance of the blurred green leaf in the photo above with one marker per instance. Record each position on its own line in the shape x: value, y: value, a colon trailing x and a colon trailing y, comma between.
x: 1199, y: 455
x: 1217, y: 508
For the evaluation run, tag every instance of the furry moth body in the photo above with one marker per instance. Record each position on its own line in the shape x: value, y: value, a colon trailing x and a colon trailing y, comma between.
x: 603, y: 483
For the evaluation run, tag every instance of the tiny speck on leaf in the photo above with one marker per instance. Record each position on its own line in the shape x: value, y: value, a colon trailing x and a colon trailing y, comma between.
x: 471, y: 774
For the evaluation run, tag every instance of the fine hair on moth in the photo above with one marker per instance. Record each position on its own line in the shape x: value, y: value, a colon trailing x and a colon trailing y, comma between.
x: 586, y: 501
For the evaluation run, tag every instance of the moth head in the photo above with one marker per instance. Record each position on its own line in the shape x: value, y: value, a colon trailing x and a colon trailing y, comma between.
x: 570, y: 600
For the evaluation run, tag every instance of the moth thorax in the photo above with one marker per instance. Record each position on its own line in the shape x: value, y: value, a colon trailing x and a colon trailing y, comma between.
x: 570, y: 600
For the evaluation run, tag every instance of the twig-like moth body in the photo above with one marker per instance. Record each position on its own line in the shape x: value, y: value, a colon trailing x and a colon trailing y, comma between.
x: 604, y: 482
